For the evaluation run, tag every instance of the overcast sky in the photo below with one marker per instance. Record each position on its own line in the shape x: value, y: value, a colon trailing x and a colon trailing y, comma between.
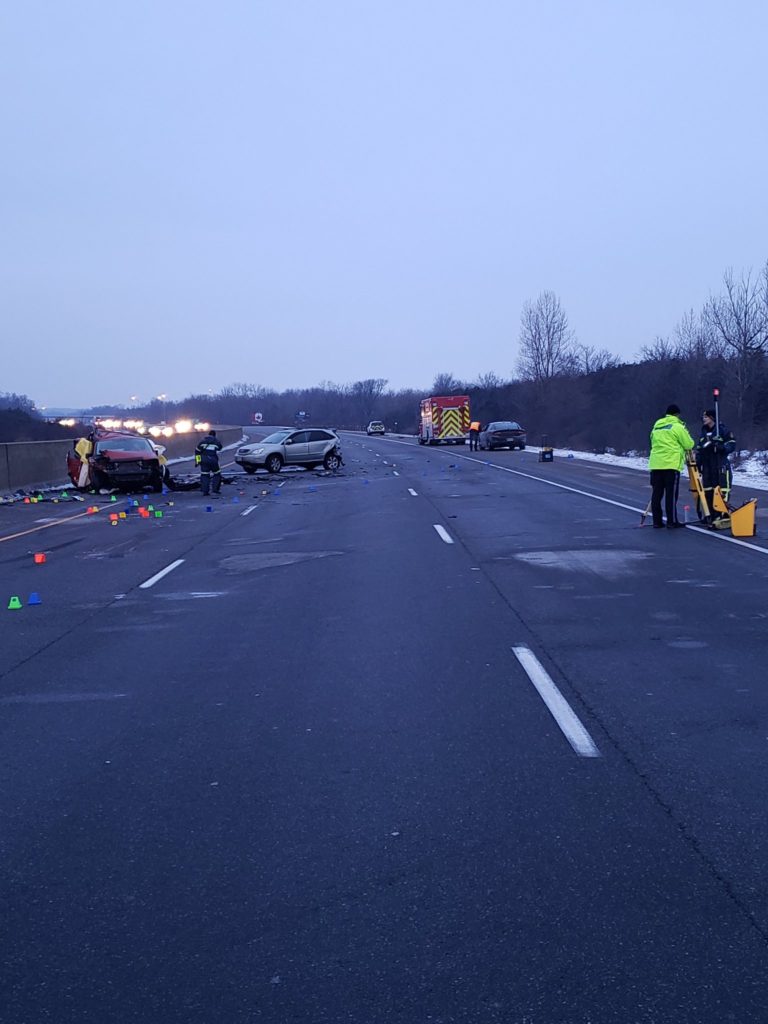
x: 279, y: 192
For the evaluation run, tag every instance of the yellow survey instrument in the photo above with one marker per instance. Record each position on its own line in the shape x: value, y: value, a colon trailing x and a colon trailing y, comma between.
x: 716, y: 512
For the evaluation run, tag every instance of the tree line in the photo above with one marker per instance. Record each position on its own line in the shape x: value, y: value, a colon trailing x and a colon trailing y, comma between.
x: 562, y: 389
x: 588, y: 398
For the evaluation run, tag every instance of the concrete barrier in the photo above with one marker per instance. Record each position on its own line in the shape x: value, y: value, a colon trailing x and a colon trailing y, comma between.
x: 32, y: 463
x: 25, y: 464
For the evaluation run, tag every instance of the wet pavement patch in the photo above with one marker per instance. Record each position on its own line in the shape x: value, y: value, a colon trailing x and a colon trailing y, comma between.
x: 270, y: 560
x: 602, y: 562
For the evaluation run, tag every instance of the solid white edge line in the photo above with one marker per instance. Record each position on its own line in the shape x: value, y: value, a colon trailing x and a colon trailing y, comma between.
x: 610, y: 501
x: 559, y: 708
x: 159, y: 575
x: 443, y: 533
x: 247, y: 511
x: 597, y: 497
x: 553, y: 483
x: 728, y: 540
x: 412, y: 492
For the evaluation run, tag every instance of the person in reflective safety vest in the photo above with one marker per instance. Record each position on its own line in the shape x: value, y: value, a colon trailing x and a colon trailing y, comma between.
x: 208, y: 453
x: 670, y: 441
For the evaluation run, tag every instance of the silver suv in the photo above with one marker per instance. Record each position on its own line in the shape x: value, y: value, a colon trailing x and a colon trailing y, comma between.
x: 307, y: 448
x: 375, y: 427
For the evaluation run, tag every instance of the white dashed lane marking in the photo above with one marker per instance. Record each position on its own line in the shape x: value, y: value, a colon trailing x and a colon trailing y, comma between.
x: 159, y: 575
x: 558, y: 706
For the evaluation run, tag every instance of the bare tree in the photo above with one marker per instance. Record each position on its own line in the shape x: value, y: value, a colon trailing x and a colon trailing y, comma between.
x: 662, y: 350
x: 696, y: 337
x: 240, y: 390
x: 366, y: 393
x: 446, y: 384
x: 546, y: 340
x: 739, y: 317
x: 588, y: 359
x: 488, y: 381
x: 10, y: 400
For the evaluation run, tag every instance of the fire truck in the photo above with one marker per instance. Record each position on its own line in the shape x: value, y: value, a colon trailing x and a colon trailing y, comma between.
x: 444, y: 419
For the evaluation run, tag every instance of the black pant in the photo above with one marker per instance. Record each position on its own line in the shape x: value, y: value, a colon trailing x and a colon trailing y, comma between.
x: 715, y: 472
x: 714, y: 475
x: 208, y: 477
x: 665, y: 482
x: 473, y: 436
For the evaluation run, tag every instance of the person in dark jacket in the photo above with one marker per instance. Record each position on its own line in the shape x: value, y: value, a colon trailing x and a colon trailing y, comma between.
x: 208, y: 453
x: 712, y: 451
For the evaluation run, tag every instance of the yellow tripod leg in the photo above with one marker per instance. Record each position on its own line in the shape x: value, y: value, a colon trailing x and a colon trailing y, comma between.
x: 696, y: 485
x: 718, y: 502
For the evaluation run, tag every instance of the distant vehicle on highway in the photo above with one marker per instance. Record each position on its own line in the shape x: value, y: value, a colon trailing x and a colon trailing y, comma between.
x: 502, y: 434
x: 375, y: 427
x: 109, y: 460
x: 287, y: 447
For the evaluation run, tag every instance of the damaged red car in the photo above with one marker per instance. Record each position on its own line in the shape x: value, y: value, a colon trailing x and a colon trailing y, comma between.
x: 110, y: 460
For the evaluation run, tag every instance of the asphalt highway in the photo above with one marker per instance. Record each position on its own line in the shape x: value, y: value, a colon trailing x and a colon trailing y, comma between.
x: 424, y: 741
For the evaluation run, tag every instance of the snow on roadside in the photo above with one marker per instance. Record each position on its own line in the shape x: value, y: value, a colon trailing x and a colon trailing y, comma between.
x: 751, y: 472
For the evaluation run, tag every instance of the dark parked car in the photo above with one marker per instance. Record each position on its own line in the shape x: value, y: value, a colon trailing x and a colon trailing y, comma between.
x: 502, y: 434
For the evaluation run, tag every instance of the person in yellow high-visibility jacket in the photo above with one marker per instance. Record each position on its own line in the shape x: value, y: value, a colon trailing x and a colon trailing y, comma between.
x: 670, y: 441
x: 474, y: 434
x: 83, y: 449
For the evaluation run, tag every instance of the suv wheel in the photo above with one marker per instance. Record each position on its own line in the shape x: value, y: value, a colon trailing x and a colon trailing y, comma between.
x: 274, y: 463
x: 332, y: 462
